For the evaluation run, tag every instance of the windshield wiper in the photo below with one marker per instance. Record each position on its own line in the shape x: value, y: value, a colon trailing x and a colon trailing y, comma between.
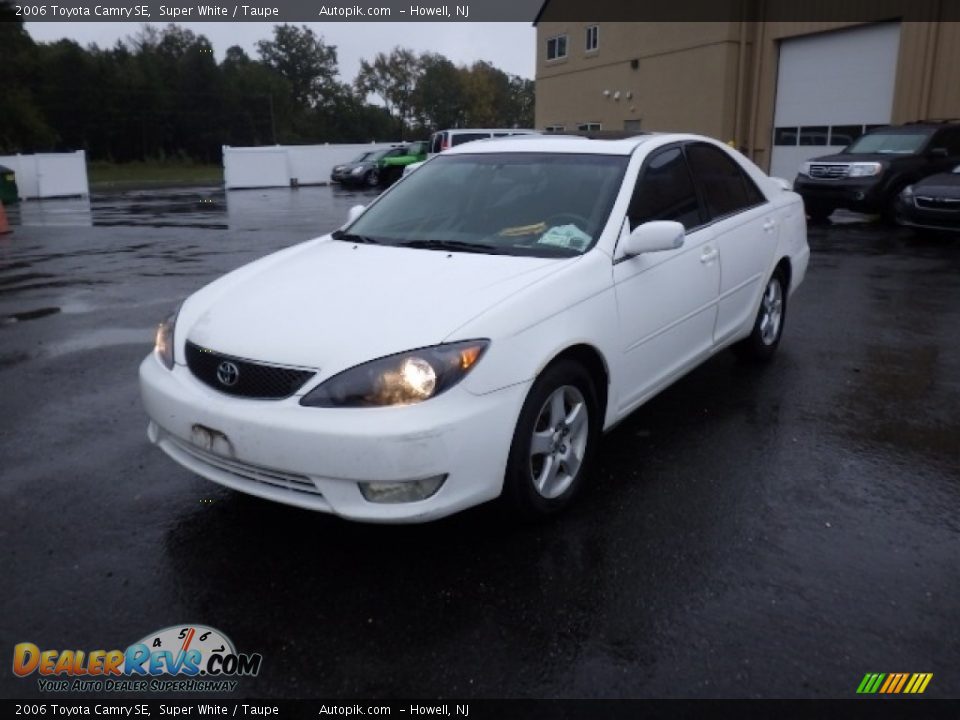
x: 350, y: 237
x: 453, y: 245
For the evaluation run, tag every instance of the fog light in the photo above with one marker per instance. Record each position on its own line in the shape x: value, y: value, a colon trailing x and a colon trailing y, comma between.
x: 860, y: 195
x: 401, y: 492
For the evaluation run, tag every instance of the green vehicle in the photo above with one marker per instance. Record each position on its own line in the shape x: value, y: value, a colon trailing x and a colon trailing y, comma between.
x: 391, y: 168
x: 8, y: 186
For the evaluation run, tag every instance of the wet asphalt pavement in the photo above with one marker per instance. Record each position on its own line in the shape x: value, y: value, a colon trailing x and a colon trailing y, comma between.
x: 774, y: 532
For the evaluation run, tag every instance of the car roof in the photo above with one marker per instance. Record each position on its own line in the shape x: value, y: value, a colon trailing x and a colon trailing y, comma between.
x: 569, y: 144
x: 485, y: 130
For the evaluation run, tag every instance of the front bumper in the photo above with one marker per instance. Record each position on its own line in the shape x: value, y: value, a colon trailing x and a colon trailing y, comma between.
x: 859, y: 194
x: 314, y: 457
x: 907, y: 213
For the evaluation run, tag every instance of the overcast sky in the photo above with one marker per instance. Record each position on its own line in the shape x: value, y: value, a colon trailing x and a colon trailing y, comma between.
x: 509, y: 46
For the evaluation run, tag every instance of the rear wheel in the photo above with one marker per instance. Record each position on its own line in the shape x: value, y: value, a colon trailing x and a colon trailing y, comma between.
x: 553, y: 442
x: 768, y: 327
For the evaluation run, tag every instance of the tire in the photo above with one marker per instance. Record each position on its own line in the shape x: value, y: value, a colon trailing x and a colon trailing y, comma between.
x: 540, y: 484
x: 764, y: 339
x: 372, y: 178
x: 819, y: 212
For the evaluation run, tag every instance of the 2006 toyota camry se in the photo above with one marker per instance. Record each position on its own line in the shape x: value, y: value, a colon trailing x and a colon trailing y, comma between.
x: 474, y: 330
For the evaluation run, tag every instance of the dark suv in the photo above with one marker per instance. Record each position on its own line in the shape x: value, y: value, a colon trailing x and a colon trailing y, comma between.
x: 868, y: 175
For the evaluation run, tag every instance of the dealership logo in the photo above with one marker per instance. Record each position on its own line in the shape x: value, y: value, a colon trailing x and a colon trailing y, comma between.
x: 177, y: 658
x: 228, y: 373
x: 894, y: 683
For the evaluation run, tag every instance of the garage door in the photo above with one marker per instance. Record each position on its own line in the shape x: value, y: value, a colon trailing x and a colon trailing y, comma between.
x: 830, y: 88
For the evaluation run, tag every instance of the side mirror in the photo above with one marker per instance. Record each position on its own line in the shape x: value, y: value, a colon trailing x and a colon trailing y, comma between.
x: 939, y: 153
x: 354, y: 213
x: 654, y: 236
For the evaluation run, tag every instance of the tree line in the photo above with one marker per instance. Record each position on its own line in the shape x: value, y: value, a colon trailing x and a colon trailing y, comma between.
x: 161, y: 95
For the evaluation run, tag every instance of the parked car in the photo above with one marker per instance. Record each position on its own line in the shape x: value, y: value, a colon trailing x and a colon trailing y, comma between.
x: 364, y: 169
x: 433, y: 355
x: 868, y: 175
x: 446, y: 139
x: 931, y: 204
x: 391, y: 168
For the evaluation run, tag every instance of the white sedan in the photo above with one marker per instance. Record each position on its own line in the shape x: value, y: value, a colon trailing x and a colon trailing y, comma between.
x: 473, y: 331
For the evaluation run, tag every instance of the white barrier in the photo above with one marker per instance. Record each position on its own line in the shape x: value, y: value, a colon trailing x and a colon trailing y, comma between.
x: 286, y: 165
x: 49, y: 175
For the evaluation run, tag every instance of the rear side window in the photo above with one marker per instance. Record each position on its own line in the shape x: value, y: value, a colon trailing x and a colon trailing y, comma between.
x: 949, y: 139
x: 461, y: 138
x: 726, y: 188
x: 665, y: 191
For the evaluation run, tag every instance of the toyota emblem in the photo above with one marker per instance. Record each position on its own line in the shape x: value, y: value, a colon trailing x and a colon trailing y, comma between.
x: 228, y: 373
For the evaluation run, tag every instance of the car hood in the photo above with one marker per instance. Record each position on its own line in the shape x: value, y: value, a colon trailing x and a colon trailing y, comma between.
x: 330, y: 304
x: 942, y: 185
x: 354, y: 166
x: 859, y: 157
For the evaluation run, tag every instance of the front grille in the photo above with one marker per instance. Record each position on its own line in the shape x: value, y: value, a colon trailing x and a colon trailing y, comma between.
x: 245, y: 471
x: 937, y: 203
x: 831, y: 172
x: 251, y: 379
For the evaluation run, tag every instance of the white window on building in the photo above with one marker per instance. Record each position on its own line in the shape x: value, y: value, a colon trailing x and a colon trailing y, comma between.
x: 557, y: 47
x: 554, y: 129
x: 593, y: 38
x: 590, y: 127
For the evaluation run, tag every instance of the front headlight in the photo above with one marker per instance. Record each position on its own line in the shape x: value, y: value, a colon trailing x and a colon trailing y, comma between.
x: 357, y: 171
x: 907, y: 193
x: 805, y: 169
x: 868, y: 169
x: 402, y: 379
x: 163, y: 343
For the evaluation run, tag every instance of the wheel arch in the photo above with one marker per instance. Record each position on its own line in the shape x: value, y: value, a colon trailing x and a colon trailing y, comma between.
x: 593, y: 362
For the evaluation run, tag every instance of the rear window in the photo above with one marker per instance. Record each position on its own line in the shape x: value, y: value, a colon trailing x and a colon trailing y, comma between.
x: 461, y: 138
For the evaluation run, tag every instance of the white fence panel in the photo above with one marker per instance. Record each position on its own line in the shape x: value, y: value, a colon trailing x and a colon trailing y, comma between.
x: 49, y: 175
x: 285, y: 165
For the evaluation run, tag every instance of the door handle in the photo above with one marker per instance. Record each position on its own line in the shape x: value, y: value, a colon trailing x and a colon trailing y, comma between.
x: 769, y: 225
x: 708, y: 255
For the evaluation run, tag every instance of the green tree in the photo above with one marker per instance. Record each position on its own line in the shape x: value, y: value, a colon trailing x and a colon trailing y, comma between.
x: 439, y: 97
x: 307, y: 64
x: 393, y: 78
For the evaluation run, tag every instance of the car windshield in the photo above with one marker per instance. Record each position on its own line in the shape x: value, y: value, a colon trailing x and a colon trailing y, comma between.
x: 888, y: 143
x: 535, y: 204
x: 369, y: 155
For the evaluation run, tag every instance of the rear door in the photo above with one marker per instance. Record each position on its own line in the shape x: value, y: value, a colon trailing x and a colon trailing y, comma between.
x: 746, y: 228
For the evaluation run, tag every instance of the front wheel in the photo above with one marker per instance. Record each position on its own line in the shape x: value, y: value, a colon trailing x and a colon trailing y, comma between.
x: 819, y: 212
x: 768, y: 326
x: 553, y: 442
x: 372, y: 178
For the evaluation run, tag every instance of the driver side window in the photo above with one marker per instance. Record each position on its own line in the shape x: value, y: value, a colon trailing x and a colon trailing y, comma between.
x: 665, y: 191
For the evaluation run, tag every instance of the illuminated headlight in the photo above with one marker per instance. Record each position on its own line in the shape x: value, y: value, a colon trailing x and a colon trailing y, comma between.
x: 357, y: 171
x: 402, y: 379
x: 401, y: 492
x: 865, y: 169
x: 163, y: 342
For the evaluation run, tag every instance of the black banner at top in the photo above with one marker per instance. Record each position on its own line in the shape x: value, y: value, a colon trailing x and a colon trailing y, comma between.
x: 528, y: 11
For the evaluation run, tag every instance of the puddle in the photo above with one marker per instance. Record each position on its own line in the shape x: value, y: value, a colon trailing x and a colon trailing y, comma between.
x: 28, y: 315
x: 104, y: 337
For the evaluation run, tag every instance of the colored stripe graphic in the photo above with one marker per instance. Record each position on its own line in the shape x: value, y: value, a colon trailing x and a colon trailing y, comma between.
x: 894, y: 683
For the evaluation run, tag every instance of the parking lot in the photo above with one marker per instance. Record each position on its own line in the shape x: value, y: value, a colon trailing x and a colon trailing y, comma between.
x: 771, y: 532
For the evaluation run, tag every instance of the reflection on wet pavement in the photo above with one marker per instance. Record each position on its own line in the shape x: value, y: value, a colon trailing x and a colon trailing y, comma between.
x: 772, y: 531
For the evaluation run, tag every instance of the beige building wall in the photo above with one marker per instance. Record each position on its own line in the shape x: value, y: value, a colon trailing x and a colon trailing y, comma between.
x: 720, y: 79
